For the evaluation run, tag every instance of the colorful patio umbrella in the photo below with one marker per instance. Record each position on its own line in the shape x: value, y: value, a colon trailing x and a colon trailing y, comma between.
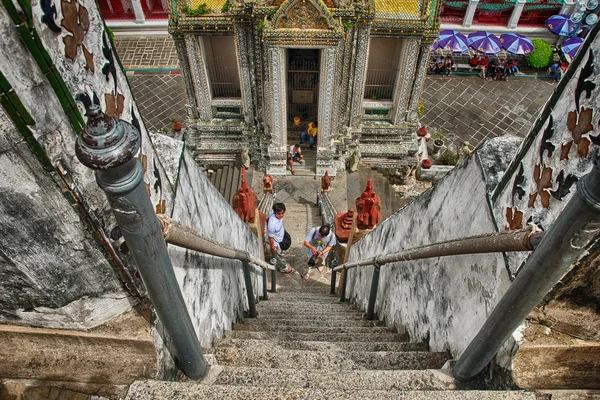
x: 561, y: 25
x: 516, y: 43
x: 435, y: 45
x: 453, y: 41
x: 571, y: 46
x: 484, y: 42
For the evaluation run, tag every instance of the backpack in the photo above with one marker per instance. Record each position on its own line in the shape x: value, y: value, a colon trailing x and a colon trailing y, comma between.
x: 286, y: 242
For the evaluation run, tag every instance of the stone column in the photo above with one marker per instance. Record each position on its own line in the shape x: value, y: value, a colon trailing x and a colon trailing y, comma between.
x: 138, y: 11
x: 468, y: 19
x: 188, y: 80
x: 360, y: 72
x: 326, y: 99
x: 567, y: 7
x: 278, y: 118
x: 516, y: 14
x: 199, y: 77
x: 404, y: 80
x: 242, y: 45
x: 419, y: 81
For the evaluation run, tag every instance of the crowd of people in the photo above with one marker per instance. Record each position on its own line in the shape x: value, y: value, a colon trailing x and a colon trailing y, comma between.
x: 441, y: 65
x: 494, y: 68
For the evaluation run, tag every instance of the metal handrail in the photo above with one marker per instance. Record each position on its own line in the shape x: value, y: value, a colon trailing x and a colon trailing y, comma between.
x: 525, y: 240
x: 109, y: 145
x: 179, y: 235
x: 564, y: 243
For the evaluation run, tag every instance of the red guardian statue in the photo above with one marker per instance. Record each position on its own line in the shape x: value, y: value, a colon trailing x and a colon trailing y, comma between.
x: 267, y: 184
x: 343, y: 225
x: 368, y: 207
x: 325, y: 182
x: 245, y: 201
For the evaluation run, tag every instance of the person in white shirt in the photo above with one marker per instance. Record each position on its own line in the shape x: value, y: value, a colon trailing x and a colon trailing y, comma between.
x: 318, y: 242
x: 276, y: 233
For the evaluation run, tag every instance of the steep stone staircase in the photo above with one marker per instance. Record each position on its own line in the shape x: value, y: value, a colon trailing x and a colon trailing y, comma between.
x: 305, y: 344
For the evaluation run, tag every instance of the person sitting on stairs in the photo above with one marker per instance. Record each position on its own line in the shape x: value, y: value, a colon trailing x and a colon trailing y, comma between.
x: 318, y: 242
x: 295, y: 155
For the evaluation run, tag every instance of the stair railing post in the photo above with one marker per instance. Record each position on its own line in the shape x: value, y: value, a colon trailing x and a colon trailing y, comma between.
x: 109, y: 146
x: 332, y: 285
x: 264, y: 282
x: 249, y: 290
x: 373, y: 293
x: 273, y: 281
x: 562, y: 245
x: 344, y: 282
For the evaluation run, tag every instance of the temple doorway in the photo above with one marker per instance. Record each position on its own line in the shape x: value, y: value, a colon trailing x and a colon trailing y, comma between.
x: 302, y: 98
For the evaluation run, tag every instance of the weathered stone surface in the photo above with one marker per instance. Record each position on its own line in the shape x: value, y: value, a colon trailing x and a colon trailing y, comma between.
x: 550, y: 360
x: 17, y: 389
x: 63, y: 355
x: 146, y: 390
x: 445, y: 299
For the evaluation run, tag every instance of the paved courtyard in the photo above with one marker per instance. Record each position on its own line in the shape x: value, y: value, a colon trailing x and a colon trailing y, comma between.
x: 465, y: 107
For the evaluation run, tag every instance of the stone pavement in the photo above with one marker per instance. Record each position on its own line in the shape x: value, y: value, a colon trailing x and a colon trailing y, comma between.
x: 465, y: 107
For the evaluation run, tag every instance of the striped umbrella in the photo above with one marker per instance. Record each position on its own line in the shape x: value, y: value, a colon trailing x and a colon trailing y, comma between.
x: 561, y: 25
x: 485, y: 42
x: 453, y: 41
x: 571, y: 46
x: 516, y: 43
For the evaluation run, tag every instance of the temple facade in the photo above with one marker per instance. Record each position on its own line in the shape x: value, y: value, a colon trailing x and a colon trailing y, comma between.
x: 257, y: 72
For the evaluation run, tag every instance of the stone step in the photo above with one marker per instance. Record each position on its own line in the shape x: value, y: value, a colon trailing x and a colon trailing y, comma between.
x: 303, y: 311
x: 355, y: 316
x: 310, y: 329
x: 322, y: 346
x: 272, y: 323
x: 318, y: 336
x: 329, y: 380
x: 150, y: 390
x: 335, y: 360
x: 293, y: 304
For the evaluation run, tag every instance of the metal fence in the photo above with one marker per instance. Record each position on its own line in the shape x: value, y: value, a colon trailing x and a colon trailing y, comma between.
x: 224, y: 77
x: 381, y: 77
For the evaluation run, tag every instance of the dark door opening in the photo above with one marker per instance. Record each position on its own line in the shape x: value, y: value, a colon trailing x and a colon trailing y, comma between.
x: 303, y: 87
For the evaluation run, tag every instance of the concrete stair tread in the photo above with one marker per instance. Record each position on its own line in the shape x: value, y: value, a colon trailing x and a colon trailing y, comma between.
x: 321, y: 345
x: 312, y: 322
x: 149, y: 390
x: 312, y: 329
x: 335, y: 360
x: 340, y: 337
x: 428, y: 379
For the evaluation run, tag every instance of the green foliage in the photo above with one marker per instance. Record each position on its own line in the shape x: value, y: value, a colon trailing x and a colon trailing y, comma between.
x: 541, y: 56
x: 195, y: 12
x: 420, y: 108
x: 271, y: 13
x: 111, y: 34
x: 439, y: 134
x: 347, y: 26
x: 225, y: 7
x: 261, y: 24
x: 449, y: 157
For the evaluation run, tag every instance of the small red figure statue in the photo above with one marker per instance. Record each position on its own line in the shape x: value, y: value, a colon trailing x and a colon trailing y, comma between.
x: 325, y: 182
x: 245, y: 201
x: 267, y: 183
x: 343, y: 225
x: 368, y: 207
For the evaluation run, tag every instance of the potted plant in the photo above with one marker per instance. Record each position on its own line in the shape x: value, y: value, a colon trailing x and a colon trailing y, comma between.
x: 439, y: 140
